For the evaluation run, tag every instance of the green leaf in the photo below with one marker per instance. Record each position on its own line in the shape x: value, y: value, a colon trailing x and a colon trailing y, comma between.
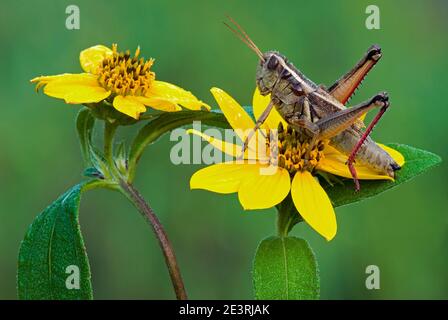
x: 417, y: 162
x: 285, y: 268
x: 92, y: 172
x: 84, y: 124
x: 52, y: 244
x: 167, y: 122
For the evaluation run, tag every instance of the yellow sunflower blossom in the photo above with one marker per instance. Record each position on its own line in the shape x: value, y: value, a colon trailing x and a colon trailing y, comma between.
x: 294, y: 174
x: 126, y: 82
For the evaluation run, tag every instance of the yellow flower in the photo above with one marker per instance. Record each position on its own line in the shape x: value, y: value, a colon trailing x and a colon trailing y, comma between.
x: 258, y: 190
x: 126, y: 82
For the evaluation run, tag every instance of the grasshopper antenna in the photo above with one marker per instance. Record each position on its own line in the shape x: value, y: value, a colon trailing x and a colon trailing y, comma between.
x: 242, y: 35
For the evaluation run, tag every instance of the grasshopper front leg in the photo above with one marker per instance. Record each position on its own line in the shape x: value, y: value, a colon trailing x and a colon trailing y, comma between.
x: 332, y: 125
x: 344, y: 88
x: 258, y: 124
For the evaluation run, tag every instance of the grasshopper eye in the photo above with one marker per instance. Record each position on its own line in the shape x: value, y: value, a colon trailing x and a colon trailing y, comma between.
x: 272, y: 63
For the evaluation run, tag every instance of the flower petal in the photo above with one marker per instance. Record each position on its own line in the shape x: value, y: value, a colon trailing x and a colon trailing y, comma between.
x: 167, y: 94
x: 336, y: 167
x: 264, y: 191
x: 223, y: 177
x: 237, y: 117
x: 159, y: 104
x: 335, y: 163
x: 43, y: 80
x: 92, y: 57
x: 242, y: 123
x: 259, y: 104
x: 224, y: 146
x: 233, y: 149
x: 313, y: 204
x: 74, y: 88
x: 129, y: 105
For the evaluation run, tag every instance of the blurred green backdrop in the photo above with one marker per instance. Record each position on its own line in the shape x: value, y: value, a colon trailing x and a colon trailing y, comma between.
x: 403, y: 231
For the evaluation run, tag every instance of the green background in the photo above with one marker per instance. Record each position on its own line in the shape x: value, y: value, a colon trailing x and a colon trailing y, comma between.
x: 403, y: 231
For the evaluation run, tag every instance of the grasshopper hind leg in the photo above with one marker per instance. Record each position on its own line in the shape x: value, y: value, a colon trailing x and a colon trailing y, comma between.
x: 344, y: 88
x: 332, y: 125
x: 379, y: 100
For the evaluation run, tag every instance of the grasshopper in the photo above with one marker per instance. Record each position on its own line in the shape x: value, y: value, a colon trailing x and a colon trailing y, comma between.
x: 320, y: 112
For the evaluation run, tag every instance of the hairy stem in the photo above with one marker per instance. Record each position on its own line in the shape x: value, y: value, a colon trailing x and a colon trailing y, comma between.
x: 134, y: 196
x: 170, y: 259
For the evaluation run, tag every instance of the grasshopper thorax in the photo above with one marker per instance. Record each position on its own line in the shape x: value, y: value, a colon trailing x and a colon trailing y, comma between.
x: 274, y: 68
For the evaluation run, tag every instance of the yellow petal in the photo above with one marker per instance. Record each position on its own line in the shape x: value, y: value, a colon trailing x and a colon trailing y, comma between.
x: 335, y: 163
x: 241, y: 122
x: 43, y: 80
x: 397, y: 156
x: 168, y: 93
x: 263, y: 191
x: 313, y: 204
x: 92, y: 57
x: 159, y: 104
x: 223, y: 177
x: 233, y: 149
x: 336, y: 167
x: 75, y: 88
x: 129, y: 105
x: 259, y: 104
x: 224, y: 146
x: 237, y: 117
x: 77, y: 78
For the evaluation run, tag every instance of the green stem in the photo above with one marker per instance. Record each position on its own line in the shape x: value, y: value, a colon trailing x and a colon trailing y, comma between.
x: 287, y: 217
x: 96, y: 184
x: 142, y: 206
x: 170, y: 259
x: 131, y: 169
x: 283, y: 224
x: 109, y: 132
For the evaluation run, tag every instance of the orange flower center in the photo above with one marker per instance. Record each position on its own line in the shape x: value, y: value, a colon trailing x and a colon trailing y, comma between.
x: 126, y: 75
x: 294, y: 152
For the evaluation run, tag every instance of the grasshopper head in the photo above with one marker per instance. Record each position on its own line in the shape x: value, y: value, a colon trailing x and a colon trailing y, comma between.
x: 268, y: 71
